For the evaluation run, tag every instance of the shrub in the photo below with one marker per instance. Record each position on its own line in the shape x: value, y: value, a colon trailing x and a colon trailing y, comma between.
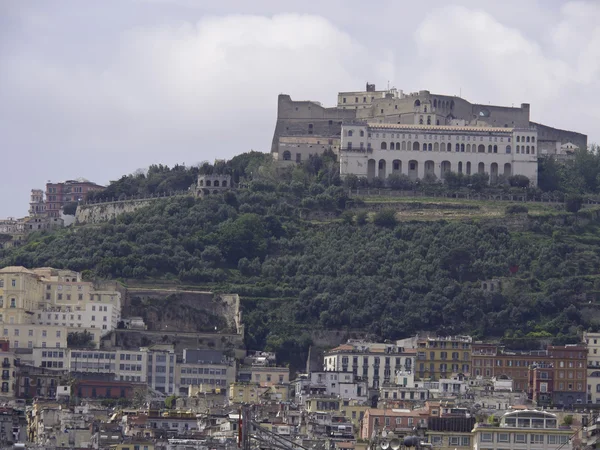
x: 361, y: 218
x: 518, y: 181
x: 573, y: 203
x: 516, y: 209
x: 385, y: 218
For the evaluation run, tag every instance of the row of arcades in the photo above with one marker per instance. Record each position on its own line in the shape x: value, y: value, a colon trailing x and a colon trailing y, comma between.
x: 419, y: 170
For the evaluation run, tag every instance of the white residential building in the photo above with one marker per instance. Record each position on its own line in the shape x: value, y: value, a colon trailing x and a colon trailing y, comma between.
x: 161, y: 363
x: 374, y: 362
x: 592, y: 341
x: 379, y: 149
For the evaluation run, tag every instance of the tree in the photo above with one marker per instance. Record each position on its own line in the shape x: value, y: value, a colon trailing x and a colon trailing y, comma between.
x: 243, y: 237
x: 83, y: 339
x: 573, y: 203
x: 70, y: 209
x: 170, y: 401
x: 397, y: 181
x: 519, y: 181
x: 385, y: 218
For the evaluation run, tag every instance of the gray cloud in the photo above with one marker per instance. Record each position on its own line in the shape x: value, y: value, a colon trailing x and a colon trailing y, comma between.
x: 99, y: 89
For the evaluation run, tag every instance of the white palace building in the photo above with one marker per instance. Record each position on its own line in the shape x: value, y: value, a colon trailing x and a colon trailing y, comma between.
x: 379, y: 149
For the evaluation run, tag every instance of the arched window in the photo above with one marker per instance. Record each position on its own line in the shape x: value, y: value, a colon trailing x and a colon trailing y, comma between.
x: 468, y: 148
x: 518, y: 149
x: 350, y: 133
x: 201, y: 182
x: 533, y: 149
x: 527, y: 138
x: 417, y: 102
x: 452, y: 104
x: 508, y: 149
x: 420, y: 120
x: 481, y: 148
x: 532, y: 138
x: 224, y: 184
x: 434, y: 103
x: 449, y: 147
x: 216, y: 183
x: 383, y: 146
x: 437, y: 122
x: 416, y: 146
x: 436, y: 147
x: 462, y: 148
x: 430, y: 147
x: 458, y: 147
x: 495, y: 149
x: 468, y: 168
x: 208, y: 181
x: 403, y: 145
x: 489, y: 149
x: 287, y: 156
x: 425, y: 110
x: 428, y: 120
x: 518, y: 138
x: 460, y: 167
x: 528, y: 149
x: 362, y: 133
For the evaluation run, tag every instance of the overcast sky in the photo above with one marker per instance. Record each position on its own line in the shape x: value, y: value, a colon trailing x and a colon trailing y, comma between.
x: 98, y: 89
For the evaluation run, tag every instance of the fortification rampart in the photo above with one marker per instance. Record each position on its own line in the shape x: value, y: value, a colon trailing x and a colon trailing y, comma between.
x: 103, y: 211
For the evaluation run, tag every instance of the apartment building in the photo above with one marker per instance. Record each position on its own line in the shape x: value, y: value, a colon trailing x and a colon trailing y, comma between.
x: 530, y: 429
x: 441, y: 356
x: 161, y: 364
x: 8, y: 359
x: 60, y: 194
x: 209, y: 369
x: 592, y: 341
x: 377, y: 363
x: 493, y: 361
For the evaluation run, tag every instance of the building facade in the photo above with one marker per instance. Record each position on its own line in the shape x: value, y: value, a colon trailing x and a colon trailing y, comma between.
x: 209, y: 369
x: 428, y: 151
x: 393, y: 106
x: 441, y: 356
x: 532, y: 430
x: 60, y: 194
x: 376, y: 363
x: 592, y: 341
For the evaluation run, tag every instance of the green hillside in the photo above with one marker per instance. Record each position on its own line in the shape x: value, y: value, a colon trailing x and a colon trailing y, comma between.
x: 359, y: 271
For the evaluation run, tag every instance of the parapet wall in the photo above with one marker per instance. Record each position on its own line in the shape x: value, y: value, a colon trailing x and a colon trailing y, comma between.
x: 546, y: 133
x: 103, y: 212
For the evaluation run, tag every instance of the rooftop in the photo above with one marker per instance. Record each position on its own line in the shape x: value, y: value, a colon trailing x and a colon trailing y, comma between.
x: 400, y: 126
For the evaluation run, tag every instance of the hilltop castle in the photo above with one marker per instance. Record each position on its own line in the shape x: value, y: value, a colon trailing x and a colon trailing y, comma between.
x: 376, y: 133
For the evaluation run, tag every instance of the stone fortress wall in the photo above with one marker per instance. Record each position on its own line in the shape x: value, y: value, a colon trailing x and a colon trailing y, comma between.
x: 309, y: 118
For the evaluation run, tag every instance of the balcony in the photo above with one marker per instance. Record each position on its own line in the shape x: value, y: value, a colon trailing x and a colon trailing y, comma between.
x: 6, y: 376
x: 6, y: 364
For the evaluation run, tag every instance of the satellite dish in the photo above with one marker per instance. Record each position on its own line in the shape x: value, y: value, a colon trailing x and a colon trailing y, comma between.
x: 384, y: 433
x: 385, y: 444
x: 395, y: 444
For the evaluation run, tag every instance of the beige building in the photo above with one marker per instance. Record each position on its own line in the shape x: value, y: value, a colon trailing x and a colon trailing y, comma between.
x: 245, y: 392
x: 528, y: 429
x: 264, y: 375
x: 39, y: 307
x: 592, y: 341
x: 297, y: 149
x: 380, y: 149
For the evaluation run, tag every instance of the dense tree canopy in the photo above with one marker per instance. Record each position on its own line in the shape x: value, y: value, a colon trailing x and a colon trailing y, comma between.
x: 357, y: 273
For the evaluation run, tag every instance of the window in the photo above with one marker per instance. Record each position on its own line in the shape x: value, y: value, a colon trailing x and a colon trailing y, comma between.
x: 13, y: 303
x: 13, y: 283
x: 454, y: 440
x: 536, y: 439
x: 487, y: 437
x: 503, y: 437
x: 436, y: 440
x: 520, y: 438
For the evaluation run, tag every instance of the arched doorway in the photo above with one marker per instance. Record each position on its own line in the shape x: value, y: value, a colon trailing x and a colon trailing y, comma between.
x: 494, y: 173
x: 413, y: 169
x: 446, y: 166
x: 468, y: 167
x: 397, y: 166
x: 429, y: 168
x: 507, y: 170
x: 371, y: 169
x: 481, y: 168
x: 382, y: 169
x: 481, y: 148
